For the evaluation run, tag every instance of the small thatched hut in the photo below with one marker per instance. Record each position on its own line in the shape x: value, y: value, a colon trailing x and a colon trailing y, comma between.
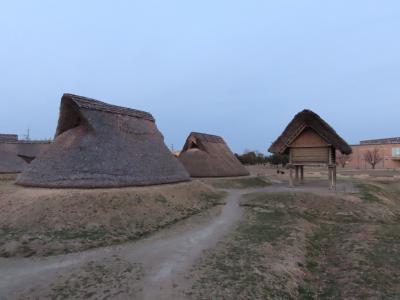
x: 206, y: 155
x: 15, y: 155
x: 103, y: 145
x: 309, y: 140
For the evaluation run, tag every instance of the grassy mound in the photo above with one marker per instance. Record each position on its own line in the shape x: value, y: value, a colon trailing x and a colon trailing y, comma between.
x: 54, y: 221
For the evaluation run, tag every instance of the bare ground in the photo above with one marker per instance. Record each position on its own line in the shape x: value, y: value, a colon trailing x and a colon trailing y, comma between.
x: 280, y: 243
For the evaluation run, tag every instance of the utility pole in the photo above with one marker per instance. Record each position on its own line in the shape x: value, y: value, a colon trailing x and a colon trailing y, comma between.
x: 27, y: 135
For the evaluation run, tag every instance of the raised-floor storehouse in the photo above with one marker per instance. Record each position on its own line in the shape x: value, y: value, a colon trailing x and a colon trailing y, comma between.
x: 310, y: 141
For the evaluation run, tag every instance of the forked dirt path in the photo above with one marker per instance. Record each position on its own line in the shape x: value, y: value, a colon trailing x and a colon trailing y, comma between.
x: 165, y: 257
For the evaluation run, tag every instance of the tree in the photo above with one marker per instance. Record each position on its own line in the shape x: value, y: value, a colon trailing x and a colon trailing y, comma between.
x: 278, y: 159
x: 248, y: 158
x: 342, y: 159
x: 251, y: 158
x: 372, y: 157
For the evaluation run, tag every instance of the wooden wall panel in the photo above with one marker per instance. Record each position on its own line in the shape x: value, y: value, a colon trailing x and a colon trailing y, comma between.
x: 309, y: 138
x: 310, y: 155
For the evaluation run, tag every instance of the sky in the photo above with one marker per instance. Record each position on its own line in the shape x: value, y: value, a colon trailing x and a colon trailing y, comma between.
x: 239, y: 69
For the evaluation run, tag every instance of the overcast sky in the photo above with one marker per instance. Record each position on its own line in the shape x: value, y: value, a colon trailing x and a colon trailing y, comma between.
x: 239, y: 69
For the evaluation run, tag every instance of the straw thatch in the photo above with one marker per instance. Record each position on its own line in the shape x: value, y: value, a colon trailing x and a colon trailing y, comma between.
x: 308, y: 119
x: 102, y: 145
x: 205, y: 155
x: 15, y: 155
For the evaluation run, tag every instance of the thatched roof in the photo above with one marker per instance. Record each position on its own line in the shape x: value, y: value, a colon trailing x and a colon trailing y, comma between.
x: 16, y: 155
x: 102, y: 145
x: 206, y: 155
x: 308, y: 119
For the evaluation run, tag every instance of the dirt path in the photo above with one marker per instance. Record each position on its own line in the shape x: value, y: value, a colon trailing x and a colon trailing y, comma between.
x: 152, y: 268
x: 164, y: 259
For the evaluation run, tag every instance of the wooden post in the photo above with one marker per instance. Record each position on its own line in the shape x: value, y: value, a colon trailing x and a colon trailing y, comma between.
x: 333, y: 168
x: 290, y: 166
x: 290, y: 175
x: 334, y: 178
x: 297, y: 174
x: 301, y: 174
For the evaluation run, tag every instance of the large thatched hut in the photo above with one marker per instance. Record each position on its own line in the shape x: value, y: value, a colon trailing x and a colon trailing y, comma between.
x: 309, y: 140
x: 15, y: 155
x: 206, y: 155
x: 103, y: 145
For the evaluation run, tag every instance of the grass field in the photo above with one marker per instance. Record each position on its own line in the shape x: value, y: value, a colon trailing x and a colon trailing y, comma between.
x: 238, y: 182
x: 309, y: 246
x: 55, y: 221
x: 306, y: 242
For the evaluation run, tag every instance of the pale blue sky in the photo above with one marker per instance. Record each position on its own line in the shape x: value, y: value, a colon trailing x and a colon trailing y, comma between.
x: 240, y: 69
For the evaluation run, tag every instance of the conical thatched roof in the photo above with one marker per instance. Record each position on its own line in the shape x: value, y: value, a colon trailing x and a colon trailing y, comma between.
x: 102, y: 145
x: 205, y: 155
x: 308, y: 119
x: 15, y: 155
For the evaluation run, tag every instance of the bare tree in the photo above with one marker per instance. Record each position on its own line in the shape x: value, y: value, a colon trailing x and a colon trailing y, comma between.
x: 342, y: 159
x: 372, y: 157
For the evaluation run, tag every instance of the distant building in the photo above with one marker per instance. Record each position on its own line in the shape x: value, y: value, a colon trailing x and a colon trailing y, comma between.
x: 388, y: 149
x: 16, y: 155
x: 8, y: 137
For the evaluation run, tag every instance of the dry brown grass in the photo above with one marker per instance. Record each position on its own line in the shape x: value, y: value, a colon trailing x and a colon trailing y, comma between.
x: 238, y: 182
x: 8, y: 176
x: 109, y: 279
x: 309, y: 246
x: 51, y: 221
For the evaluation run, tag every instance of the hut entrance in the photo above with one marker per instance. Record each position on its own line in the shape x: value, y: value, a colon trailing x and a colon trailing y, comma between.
x: 310, y: 141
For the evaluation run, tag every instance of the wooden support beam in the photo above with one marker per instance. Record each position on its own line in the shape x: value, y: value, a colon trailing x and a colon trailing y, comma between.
x: 334, y: 178
x: 291, y: 184
x: 301, y: 174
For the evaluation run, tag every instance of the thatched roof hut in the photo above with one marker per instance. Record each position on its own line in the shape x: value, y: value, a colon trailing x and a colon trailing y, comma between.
x: 206, y: 155
x: 103, y: 145
x: 307, y: 119
x: 309, y: 140
x: 15, y: 155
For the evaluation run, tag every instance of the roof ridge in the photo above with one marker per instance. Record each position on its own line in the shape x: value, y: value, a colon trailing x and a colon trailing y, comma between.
x: 212, y: 138
x: 93, y: 104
